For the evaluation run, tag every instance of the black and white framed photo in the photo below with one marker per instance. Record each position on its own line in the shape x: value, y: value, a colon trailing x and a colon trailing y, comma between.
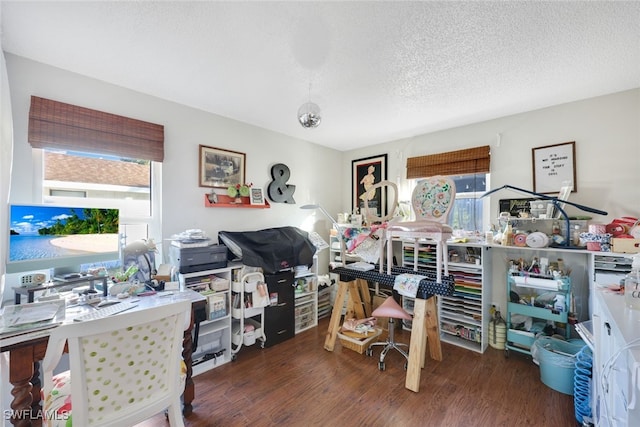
x: 554, y: 167
x: 367, y: 172
x: 220, y: 168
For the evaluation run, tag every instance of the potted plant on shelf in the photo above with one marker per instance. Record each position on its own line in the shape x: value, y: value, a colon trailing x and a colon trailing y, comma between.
x: 238, y: 191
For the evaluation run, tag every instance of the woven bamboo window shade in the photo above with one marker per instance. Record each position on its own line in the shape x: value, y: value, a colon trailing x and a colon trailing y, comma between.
x: 57, y: 125
x: 461, y: 162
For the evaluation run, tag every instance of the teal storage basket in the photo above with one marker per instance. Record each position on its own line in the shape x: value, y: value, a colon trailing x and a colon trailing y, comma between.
x: 557, y: 360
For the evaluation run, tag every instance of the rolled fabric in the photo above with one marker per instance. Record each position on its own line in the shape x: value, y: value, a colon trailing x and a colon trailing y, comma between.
x: 597, y: 228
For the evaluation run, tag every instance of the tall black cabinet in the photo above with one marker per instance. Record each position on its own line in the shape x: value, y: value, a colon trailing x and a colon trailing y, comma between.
x: 279, y: 317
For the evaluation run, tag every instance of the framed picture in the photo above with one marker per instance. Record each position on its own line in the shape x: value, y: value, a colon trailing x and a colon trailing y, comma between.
x: 554, y: 167
x: 257, y: 196
x: 365, y: 173
x: 221, y: 168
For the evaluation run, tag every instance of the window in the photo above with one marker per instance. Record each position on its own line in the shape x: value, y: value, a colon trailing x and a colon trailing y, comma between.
x: 102, y: 180
x: 468, y: 210
x: 89, y: 158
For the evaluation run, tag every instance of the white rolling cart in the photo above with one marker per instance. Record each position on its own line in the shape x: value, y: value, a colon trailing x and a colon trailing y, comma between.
x: 249, y: 297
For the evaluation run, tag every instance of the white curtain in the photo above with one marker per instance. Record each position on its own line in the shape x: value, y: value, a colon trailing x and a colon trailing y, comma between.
x: 6, y: 159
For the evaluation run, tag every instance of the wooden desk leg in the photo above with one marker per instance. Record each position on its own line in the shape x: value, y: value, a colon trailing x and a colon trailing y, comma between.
x: 425, y: 324
x: 336, y: 314
x: 416, y: 344
x: 189, y: 386
x: 363, y: 285
x: 355, y: 302
x: 433, y: 329
x: 21, y: 370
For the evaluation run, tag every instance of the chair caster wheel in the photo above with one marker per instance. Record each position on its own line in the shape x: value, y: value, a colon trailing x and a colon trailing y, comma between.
x: 406, y: 365
x: 234, y: 357
x: 381, y: 366
x: 369, y: 352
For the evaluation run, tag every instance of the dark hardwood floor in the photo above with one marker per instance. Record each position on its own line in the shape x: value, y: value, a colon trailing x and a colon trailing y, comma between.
x: 298, y: 383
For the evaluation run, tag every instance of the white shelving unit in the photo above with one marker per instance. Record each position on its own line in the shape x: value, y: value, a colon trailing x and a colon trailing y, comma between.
x: 249, y: 297
x: 464, y: 316
x: 306, y: 297
x: 214, y: 335
x: 324, y: 302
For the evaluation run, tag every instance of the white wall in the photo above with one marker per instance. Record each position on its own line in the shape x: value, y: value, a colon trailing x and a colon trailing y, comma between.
x: 606, y: 130
x: 185, y: 128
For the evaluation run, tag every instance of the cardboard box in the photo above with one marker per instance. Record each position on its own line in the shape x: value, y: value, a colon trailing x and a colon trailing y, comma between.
x: 625, y: 246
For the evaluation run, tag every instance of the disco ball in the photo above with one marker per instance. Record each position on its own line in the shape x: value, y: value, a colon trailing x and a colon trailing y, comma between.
x: 309, y: 115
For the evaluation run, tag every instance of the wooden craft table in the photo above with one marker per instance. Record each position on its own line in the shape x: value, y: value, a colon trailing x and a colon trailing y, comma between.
x: 425, y: 327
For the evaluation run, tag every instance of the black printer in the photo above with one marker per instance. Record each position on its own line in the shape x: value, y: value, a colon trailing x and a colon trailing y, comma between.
x: 191, y: 259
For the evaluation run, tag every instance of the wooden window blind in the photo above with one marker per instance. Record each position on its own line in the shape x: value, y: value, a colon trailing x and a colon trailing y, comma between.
x: 461, y: 162
x: 57, y: 125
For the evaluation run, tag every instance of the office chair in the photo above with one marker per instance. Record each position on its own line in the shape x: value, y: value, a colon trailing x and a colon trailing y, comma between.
x: 391, y: 309
x: 432, y: 200
x: 123, y: 369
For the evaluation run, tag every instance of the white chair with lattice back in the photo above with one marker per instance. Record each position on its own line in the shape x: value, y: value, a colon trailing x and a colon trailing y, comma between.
x: 432, y: 200
x: 371, y: 216
x: 123, y: 369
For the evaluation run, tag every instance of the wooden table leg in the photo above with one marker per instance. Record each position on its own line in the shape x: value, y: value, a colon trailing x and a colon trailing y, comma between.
x: 187, y: 352
x: 21, y: 362
x: 336, y: 314
x: 425, y: 323
x: 363, y: 287
x: 433, y: 329
x: 416, y: 344
x: 355, y: 302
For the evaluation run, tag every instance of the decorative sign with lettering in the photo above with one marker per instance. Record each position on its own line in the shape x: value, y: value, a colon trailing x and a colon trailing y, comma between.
x: 554, y: 167
x: 279, y: 191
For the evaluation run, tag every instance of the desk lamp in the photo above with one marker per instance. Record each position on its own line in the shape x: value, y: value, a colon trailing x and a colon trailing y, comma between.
x: 321, y: 209
x: 556, y: 203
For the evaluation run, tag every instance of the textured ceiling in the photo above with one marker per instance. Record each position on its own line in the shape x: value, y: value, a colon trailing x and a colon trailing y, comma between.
x: 380, y: 71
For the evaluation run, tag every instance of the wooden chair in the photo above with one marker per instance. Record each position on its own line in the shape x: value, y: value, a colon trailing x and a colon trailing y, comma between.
x: 372, y: 217
x: 432, y: 200
x: 124, y: 368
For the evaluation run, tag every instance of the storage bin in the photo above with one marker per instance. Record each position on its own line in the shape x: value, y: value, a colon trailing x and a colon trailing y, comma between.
x: 250, y: 287
x: 541, y: 208
x: 210, y: 342
x: 249, y: 338
x: 626, y: 246
x: 360, y: 345
x: 219, y: 284
x: 557, y: 359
